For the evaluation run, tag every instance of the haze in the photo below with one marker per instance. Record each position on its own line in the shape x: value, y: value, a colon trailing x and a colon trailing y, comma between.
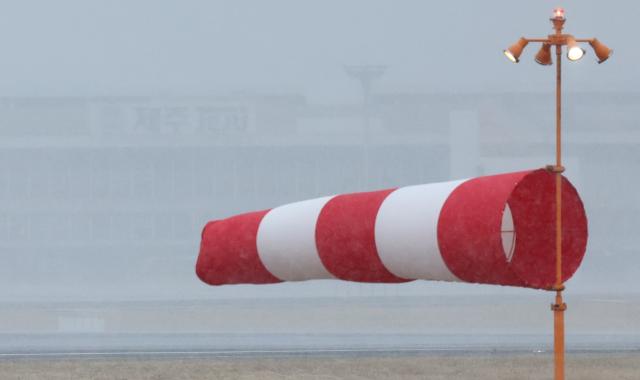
x: 126, y: 125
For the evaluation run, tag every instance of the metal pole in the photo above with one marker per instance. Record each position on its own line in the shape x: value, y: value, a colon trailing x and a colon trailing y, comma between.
x: 558, y: 39
x: 559, y: 306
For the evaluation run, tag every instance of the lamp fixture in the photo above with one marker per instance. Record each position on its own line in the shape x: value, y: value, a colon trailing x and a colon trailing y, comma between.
x: 544, y: 55
x: 514, y: 51
x: 574, y: 52
x: 602, y: 51
x: 558, y: 39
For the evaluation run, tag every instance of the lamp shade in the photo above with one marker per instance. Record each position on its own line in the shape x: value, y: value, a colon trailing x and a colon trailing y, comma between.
x: 602, y: 51
x: 514, y: 51
x: 497, y: 229
x: 543, y: 56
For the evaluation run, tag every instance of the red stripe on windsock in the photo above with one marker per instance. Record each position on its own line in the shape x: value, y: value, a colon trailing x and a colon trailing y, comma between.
x: 469, y: 227
x: 229, y: 254
x: 533, y: 207
x: 345, y: 238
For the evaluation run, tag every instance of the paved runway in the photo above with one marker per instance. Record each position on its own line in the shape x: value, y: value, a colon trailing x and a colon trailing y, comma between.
x: 360, y: 365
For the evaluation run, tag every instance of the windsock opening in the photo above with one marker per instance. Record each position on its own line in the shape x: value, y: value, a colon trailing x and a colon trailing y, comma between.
x: 501, y: 230
x: 533, y: 207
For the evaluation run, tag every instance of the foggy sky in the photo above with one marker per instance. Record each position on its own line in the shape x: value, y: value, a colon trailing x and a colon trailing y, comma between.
x: 89, y: 47
x: 190, y: 47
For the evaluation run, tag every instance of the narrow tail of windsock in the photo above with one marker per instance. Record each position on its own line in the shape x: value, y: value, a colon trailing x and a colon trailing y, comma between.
x: 496, y: 229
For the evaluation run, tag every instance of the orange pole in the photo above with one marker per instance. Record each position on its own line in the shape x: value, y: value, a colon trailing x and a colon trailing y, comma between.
x: 559, y: 306
x: 558, y: 39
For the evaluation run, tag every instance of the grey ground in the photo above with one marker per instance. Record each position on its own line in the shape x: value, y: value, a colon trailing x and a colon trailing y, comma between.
x: 358, y: 338
x: 584, y: 366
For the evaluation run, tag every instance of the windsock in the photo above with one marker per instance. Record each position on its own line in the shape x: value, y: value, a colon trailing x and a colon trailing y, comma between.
x: 497, y: 229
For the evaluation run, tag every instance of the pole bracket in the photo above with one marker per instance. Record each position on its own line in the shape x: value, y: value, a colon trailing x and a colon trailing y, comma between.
x: 558, y: 307
x: 555, y: 168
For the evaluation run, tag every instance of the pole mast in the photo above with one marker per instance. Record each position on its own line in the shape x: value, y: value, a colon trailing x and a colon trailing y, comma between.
x: 559, y: 306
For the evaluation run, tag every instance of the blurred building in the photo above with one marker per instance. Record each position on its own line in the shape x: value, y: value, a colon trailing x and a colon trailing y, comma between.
x: 101, y: 190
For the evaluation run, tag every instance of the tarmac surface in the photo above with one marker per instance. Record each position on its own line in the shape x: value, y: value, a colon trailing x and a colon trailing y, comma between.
x: 321, y: 365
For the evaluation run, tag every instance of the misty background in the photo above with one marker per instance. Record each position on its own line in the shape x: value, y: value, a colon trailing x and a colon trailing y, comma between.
x: 126, y: 125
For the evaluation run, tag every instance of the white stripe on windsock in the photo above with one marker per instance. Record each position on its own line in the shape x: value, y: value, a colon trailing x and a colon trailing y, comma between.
x: 406, y: 231
x: 286, y: 241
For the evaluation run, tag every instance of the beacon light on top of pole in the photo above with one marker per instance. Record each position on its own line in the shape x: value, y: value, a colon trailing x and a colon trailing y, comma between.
x: 543, y: 57
x: 558, y: 13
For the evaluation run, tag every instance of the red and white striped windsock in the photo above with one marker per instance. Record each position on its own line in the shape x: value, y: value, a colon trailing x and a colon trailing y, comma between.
x: 497, y: 229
